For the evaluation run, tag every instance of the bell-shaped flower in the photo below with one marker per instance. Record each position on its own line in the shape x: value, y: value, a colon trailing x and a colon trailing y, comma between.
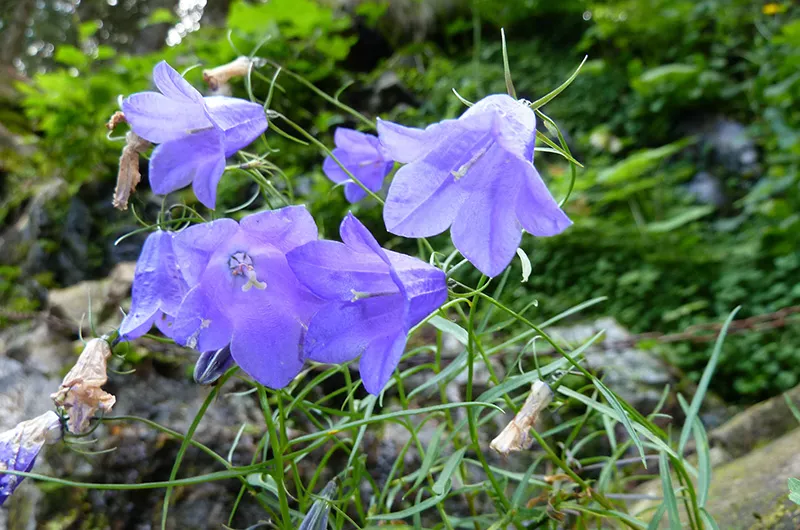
x: 363, y: 156
x: 195, y: 134
x: 158, y: 288
x: 244, y: 292
x: 20, y: 446
x: 374, y: 297
x: 475, y: 176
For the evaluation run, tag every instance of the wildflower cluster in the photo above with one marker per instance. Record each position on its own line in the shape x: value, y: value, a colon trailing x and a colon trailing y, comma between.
x: 267, y: 293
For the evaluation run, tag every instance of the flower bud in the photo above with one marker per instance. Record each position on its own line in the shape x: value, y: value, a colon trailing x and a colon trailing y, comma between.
x: 20, y: 446
x: 129, y: 176
x: 516, y: 435
x: 220, y: 75
x: 317, y: 516
x: 212, y: 364
x: 80, y: 394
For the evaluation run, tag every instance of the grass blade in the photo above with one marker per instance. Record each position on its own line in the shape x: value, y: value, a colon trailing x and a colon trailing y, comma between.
x: 792, y: 406
x: 442, y: 483
x: 670, y: 501
x: 549, y: 97
x: 702, y: 387
x: 626, y: 421
x: 506, y: 68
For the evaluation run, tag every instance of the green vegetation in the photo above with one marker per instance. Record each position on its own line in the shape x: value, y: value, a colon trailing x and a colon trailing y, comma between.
x: 642, y: 117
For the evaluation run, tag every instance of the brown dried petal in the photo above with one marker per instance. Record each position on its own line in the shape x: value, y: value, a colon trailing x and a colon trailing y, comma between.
x: 215, y: 77
x: 129, y: 176
x: 80, y: 394
x: 516, y: 435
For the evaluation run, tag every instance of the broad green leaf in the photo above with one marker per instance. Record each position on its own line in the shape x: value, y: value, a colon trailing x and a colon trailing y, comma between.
x: 639, y: 164
x: 688, y: 215
x: 71, y: 56
x: 794, y: 490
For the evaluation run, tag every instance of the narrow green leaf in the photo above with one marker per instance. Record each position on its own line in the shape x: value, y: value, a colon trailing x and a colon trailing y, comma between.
x: 541, y: 102
x: 462, y: 99
x: 708, y: 520
x: 609, y: 427
x: 792, y: 406
x: 603, y: 409
x: 703, y: 456
x: 263, y: 481
x: 452, y: 370
x: 626, y: 421
x: 430, y: 456
x: 408, y: 512
x: 655, y: 522
x: 526, y: 265
x: 702, y: 387
x: 446, y: 326
x: 670, y: 501
x: 506, y: 68
x: 443, y: 482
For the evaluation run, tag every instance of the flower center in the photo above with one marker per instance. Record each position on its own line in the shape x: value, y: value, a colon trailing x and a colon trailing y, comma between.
x: 241, y: 264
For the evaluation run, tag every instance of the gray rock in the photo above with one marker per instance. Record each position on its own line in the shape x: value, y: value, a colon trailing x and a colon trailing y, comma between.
x: 107, y: 295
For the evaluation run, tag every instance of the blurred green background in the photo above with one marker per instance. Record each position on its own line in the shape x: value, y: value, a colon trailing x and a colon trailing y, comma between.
x: 684, y: 116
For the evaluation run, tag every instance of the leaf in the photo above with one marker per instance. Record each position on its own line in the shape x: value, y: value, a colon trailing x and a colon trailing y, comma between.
x: 541, y: 102
x: 794, y: 490
x: 264, y: 481
x: 687, y: 216
x: 638, y: 164
x: 443, y: 482
x: 506, y: 68
x: 71, y: 56
x: 430, y: 456
x: 408, y: 512
x: 88, y: 29
x: 626, y: 421
x: 317, y: 516
x: 669, y: 494
x: 708, y: 520
x: 703, y: 456
x: 655, y: 522
x: 161, y: 15
x: 792, y: 406
x: 702, y: 387
x: 526, y: 265
x: 446, y: 326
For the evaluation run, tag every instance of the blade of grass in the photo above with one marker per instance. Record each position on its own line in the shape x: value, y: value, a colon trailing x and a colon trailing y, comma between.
x: 670, y: 501
x: 702, y: 387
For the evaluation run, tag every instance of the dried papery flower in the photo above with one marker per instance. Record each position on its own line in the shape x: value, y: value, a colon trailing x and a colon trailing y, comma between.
x: 516, y: 435
x: 128, y: 176
x: 115, y: 119
x: 80, y: 394
x: 220, y: 75
x: 20, y: 446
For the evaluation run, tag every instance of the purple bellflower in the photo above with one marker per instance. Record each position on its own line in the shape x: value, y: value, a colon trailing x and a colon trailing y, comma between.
x: 363, y: 156
x: 374, y: 297
x: 195, y: 134
x: 20, y: 446
x: 158, y: 288
x: 244, y: 292
x: 475, y: 176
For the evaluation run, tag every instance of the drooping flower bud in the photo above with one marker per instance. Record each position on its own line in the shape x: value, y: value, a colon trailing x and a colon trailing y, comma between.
x: 218, y: 76
x: 80, y: 394
x: 20, y: 446
x: 516, y: 435
x: 129, y: 176
x: 317, y: 516
x: 212, y: 364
